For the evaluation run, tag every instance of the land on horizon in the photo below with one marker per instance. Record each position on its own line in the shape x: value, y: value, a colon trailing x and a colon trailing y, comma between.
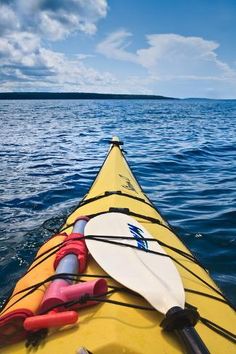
x: 93, y: 95
x: 75, y: 95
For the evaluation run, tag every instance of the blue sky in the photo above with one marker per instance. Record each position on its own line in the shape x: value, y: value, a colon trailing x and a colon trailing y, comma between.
x: 178, y: 48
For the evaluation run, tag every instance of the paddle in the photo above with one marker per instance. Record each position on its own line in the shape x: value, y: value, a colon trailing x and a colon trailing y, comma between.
x: 153, y: 276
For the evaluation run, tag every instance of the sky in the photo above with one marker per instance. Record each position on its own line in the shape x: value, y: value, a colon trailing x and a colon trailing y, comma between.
x: 174, y: 48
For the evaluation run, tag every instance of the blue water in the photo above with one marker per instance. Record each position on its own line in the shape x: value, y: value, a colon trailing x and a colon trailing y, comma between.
x: 182, y: 152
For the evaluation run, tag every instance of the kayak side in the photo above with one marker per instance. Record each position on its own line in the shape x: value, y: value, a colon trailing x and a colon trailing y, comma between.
x: 107, y: 327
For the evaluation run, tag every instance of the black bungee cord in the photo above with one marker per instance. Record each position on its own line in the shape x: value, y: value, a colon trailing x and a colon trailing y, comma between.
x: 218, y: 329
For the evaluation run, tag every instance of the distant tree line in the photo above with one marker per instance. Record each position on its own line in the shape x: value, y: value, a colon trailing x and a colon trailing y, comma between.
x: 74, y: 95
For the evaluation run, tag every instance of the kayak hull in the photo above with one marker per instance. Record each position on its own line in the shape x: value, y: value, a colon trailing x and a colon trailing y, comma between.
x: 111, y: 328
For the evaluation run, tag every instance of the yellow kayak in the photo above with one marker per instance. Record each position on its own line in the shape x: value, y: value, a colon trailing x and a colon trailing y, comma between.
x: 122, y: 321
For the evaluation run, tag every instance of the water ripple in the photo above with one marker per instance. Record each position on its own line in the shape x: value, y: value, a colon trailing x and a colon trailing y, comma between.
x: 183, y: 153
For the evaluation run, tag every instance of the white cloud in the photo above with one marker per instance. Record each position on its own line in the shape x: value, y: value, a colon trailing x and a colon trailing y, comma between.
x: 54, y: 19
x: 26, y: 62
x: 8, y: 19
x: 114, y: 46
x: 169, y: 55
x: 174, y: 58
x: 170, y: 64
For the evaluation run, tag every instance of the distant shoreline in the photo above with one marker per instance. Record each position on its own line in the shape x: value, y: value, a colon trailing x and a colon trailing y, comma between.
x: 76, y: 96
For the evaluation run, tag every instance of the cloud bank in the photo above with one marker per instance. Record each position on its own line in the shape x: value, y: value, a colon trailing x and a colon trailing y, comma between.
x: 168, y: 64
x: 26, y: 26
x: 177, y: 59
x: 53, y: 19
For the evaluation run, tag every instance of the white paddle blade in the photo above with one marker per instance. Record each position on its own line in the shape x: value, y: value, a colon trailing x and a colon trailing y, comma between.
x: 155, y: 277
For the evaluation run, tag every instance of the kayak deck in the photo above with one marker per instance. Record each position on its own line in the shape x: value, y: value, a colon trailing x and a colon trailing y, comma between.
x: 115, y: 328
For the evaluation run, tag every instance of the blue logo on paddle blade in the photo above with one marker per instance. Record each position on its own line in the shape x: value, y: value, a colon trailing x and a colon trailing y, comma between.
x: 137, y: 233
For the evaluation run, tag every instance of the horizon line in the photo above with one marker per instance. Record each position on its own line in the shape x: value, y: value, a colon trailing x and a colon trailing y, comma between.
x: 93, y: 95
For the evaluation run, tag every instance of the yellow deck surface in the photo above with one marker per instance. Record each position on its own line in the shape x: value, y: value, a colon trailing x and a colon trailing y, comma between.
x: 112, y: 329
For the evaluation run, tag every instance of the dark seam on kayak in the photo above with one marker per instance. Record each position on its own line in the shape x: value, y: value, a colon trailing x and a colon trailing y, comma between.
x: 125, y: 211
x: 118, y: 192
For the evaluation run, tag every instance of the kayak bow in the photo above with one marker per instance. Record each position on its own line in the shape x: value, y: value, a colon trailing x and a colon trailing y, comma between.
x: 122, y: 321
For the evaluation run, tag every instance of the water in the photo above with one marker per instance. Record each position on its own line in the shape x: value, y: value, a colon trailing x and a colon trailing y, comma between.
x: 182, y: 152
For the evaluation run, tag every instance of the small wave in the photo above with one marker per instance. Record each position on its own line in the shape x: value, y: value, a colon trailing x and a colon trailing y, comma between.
x: 183, y: 153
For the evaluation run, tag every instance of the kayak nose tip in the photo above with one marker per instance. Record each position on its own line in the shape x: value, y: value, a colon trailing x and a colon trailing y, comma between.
x: 115, y: 139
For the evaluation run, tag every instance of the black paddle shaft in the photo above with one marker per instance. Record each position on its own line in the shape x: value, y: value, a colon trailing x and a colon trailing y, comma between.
x: 182, y: 323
